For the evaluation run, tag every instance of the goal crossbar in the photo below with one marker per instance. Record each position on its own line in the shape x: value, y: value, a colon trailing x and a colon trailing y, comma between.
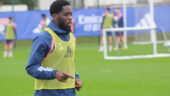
x: 154, y: 42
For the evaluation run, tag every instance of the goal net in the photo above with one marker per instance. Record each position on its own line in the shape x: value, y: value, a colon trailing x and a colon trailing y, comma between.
x: 140, y: 33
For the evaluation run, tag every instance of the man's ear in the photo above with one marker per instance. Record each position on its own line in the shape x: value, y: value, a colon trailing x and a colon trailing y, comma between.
x: 55, y: 16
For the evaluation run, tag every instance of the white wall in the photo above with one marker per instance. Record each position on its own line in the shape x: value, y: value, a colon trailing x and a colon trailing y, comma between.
x: 108, y: 2
x: 44, y: 4
x: 91, y: 3
x: 160, y: 1
x: 5, y: 8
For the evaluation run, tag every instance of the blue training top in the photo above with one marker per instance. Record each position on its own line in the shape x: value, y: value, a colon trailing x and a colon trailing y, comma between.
x: 40, y: 48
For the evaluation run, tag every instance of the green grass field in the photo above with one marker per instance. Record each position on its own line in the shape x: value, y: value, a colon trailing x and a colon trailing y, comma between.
x: 139, y: 77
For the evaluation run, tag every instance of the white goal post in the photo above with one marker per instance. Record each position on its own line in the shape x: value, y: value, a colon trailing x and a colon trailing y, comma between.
x: 153, y: 36
x: 155, y: 53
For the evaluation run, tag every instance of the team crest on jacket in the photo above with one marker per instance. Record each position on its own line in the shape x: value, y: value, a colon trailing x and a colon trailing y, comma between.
x: 69, y: 52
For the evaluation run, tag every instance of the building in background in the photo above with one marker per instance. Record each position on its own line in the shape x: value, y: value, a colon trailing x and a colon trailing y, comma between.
x: 7, y: 8
x: 103, y: 3
x: 43, y: 5
x: 20, y: 5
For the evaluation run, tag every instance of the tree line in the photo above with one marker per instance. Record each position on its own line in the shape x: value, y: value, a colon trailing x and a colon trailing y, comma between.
x: 30, y: 3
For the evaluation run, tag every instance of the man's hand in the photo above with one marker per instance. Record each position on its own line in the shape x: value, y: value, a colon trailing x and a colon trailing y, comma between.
x: 78, y: 84
x: 63, y: 76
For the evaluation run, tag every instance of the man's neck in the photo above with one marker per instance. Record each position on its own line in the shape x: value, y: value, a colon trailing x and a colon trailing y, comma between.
x: 56, y: 23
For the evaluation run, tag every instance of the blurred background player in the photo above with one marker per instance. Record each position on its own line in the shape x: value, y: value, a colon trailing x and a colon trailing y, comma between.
x: 107, y: 23
x: 10, y: 36
x: 119, y: 35
x: 44, y: 22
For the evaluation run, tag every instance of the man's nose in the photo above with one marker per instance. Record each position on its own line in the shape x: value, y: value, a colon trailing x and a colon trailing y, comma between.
x: 70, y: 17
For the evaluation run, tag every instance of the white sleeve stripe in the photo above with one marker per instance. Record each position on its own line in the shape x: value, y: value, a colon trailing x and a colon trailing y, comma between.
x: 45, y: 69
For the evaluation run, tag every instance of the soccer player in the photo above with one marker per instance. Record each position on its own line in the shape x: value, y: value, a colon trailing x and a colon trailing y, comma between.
x: 44, y: 21
x: 51, y: 61
x: 10, y: 36
x: 107, y: 23
x: 119, y: 35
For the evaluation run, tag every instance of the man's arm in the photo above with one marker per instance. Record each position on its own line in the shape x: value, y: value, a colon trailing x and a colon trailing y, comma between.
x: 78, y: 82
x: 114, y: 21
x: 121, y: 23
x: 77, y: 75
x: 102, y: 21
x: 14, y: 27
x: 4, y: 32
x: 40, y: 48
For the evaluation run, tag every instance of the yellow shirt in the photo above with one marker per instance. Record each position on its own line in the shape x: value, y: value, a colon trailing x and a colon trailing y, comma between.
x: 107, y: 23
x: 62, y: 58
x: 10, y: 33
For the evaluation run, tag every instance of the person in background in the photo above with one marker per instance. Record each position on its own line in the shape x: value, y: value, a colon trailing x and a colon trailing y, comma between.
x: 107, y: 23
x: 44, y: 21
x: 119, y: 24
x: 10, y: 36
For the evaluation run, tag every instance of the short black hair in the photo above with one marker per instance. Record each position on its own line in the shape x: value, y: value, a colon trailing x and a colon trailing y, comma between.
x: 10, y: 18
x: 57, y: 6
x: 43, y: 15
x: 108, y: 8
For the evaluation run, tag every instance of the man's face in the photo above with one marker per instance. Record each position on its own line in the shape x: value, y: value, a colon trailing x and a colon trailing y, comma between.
x: 10, y: 19
x: 64, y: 18
x: 107, y: 10
x: 45, y: 17
x: 117, y: 10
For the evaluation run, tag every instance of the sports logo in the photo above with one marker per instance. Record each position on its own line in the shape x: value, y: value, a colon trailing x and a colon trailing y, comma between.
x: 69, y: 52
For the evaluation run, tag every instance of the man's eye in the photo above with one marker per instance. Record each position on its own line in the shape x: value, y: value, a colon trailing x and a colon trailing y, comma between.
x: 67, y: 14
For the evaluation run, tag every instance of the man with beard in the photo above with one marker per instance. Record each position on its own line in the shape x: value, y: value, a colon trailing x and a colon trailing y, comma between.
x: 51, y: 61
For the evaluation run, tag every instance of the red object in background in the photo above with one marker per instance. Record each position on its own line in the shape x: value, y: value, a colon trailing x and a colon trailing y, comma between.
x: 4, y: 21
x: 72, y: 26
x: 43, y: 24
